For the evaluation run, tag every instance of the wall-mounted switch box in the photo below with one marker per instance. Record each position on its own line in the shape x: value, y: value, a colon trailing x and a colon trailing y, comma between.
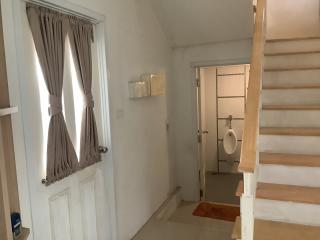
x: 150, y: 85
x: 139, y: 89
x: 157, y: 83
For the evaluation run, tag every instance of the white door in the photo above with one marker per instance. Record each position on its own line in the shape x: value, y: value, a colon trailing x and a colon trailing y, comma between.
x: 201, y: 134
x: 76, y: 207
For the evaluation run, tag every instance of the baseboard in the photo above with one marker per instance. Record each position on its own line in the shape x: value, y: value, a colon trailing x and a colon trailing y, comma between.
x: 166, y: 209
x: 169, y: 206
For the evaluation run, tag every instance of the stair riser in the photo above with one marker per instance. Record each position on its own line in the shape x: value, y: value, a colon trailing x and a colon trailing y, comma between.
x: 303, y: 176
x: 291, y: 96
x: 292, y: 61
x: 291, y: 77
x: 293, y: 46
x: 306, y: 214
x: 293, y: 118
x: 289, y: 144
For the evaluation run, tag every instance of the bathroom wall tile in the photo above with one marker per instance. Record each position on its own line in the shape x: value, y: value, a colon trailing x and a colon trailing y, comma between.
x: 223, y: 127
x: 228, y: 167
x: 234, y: 69
x: 232, y: 85
x: 231, y: 106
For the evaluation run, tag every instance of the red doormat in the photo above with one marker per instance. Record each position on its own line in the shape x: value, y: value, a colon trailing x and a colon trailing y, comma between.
x: 217, y: 211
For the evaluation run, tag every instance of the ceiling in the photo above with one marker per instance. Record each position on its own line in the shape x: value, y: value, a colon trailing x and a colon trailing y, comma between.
x: 194, y: 22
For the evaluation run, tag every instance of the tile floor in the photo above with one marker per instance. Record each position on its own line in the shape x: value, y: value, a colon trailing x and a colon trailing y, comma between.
x: 221, y: 188
x: 182, y: 225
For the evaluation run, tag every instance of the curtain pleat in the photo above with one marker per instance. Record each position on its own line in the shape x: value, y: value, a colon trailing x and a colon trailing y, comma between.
x: 49, y: 30
x: 81, y: 37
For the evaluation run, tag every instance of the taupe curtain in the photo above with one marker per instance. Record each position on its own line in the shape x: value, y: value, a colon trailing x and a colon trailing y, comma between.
x: 81, y: 37
x: 49, y: 31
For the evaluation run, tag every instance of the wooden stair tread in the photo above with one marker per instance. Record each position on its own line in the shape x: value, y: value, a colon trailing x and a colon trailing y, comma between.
x: 270, y: 230
x: 240, y: 189
x: 290, y: 107
x: 291, y: 69
x: 290, y: 159
x: 286, y: 193
x: 291, y: 86
x: 289, y: 193
x: 290, y: 131
x: 236, y: 232
x: 289, y: 53
x: 292, y: 39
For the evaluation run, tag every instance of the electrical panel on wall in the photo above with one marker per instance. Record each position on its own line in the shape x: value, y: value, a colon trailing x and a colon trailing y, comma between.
x: 149, y: 85
x: 139, y: 89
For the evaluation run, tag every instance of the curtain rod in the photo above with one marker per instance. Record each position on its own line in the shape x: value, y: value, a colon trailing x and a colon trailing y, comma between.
x: 56, y: 7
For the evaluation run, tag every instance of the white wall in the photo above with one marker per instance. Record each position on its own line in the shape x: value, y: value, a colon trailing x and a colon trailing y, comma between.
x: 183, y: 100
x: 143, y: 171
x: 190, y: 22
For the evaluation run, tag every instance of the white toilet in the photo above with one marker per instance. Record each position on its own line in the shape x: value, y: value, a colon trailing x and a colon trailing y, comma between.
x: 230, y: 142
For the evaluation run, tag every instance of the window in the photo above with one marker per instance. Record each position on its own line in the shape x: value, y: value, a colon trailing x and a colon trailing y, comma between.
x: 72, y: 103
x: 63, y: 51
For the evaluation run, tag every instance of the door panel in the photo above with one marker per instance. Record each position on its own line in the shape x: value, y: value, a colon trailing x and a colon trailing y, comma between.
x: 201, y: 135
x: 88, y: 208
x: 60, y: 215
x: 75, y: 207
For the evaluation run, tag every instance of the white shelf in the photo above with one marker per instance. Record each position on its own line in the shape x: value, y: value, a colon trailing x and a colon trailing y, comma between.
x: 8, y: 111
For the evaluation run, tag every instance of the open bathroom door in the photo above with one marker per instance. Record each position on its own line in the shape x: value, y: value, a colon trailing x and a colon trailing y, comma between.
x: 201, y: 134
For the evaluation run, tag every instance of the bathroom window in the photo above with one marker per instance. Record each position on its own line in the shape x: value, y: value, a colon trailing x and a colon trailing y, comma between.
x: 72, y: 102
x: 63, y: 47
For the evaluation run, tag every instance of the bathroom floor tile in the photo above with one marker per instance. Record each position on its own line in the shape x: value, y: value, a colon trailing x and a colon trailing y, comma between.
x: 183, y: 225
x: 221, y: 188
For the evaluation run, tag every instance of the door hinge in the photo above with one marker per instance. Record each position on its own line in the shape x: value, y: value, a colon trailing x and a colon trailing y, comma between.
x: 201, y: 193
x: 198, y: 82
x: 199, y: 138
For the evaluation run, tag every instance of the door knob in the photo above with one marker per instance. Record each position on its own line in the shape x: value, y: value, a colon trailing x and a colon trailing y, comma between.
x: 205, y: 132
x: 103, y: 149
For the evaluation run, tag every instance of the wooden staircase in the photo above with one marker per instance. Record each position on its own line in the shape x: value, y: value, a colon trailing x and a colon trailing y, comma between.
x: 270, y: 230
x: 284, y: 207
x: 281, y: 163
x: 298, y: 160
x: 290, y: 131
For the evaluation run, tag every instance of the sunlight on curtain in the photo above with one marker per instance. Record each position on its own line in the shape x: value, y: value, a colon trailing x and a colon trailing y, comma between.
x: 45, y: 117
x: 78, y: 102
x: 44, y: 103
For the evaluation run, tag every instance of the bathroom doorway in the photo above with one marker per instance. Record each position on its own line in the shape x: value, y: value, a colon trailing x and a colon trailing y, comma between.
x: 221, y: 97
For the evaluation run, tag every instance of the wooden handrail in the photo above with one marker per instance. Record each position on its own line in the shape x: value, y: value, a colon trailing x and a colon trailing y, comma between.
x: 249, y: 152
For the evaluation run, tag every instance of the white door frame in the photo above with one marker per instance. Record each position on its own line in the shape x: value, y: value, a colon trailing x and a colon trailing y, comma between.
x: 11, y: 14
x: 194, y: 128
